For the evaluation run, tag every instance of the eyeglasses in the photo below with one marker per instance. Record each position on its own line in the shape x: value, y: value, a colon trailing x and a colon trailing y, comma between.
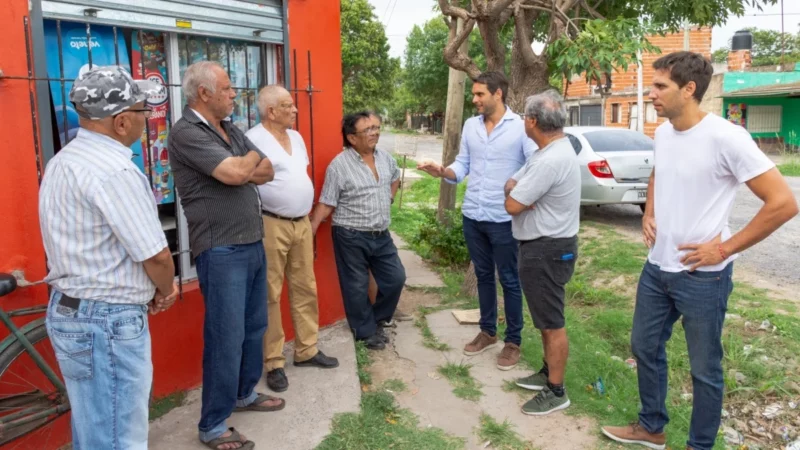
x: 147, y: 112
x: 370, y: 130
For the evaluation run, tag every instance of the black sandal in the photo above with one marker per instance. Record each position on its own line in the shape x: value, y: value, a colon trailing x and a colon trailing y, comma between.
x: 234, y: 437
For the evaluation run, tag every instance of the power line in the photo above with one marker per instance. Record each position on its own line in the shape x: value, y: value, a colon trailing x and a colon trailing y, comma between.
x: 388, y: 4
x: 391, y: 14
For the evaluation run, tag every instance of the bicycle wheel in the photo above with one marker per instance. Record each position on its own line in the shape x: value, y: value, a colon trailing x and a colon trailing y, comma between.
x: 25, y: 391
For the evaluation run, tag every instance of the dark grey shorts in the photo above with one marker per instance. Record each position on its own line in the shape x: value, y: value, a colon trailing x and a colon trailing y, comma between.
x: 545, y: 267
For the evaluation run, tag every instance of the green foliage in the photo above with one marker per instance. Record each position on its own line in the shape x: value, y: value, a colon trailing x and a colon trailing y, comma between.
x: 425, y: 69
x: 603, y: 46
x: 720, y: 55
x: 368, y: 72
x: 445, y: 240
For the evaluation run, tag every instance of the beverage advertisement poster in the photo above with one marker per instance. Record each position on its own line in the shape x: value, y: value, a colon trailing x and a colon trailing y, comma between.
x: 74, y: 56
x: 150, y: 63
x: 737, y: 114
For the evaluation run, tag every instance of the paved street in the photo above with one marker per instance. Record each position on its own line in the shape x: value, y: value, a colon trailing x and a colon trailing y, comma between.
x: 772, y: 263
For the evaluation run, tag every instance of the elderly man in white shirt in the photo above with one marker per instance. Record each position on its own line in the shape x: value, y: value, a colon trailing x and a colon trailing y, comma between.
x: 288, y: 239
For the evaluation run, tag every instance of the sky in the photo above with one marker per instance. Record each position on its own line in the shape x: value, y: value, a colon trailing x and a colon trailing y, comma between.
x: 400, y: 16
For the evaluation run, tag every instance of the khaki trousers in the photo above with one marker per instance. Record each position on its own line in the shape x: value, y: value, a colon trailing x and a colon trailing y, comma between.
x: 289, y: 248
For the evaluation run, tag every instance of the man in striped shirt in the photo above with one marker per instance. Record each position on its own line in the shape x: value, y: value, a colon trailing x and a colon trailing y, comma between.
x: 109, y: 262
x: 358, y: 190
x: 217, y: 170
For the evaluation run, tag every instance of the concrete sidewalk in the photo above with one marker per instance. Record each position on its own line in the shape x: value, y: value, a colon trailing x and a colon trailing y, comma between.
x: 314, y: 397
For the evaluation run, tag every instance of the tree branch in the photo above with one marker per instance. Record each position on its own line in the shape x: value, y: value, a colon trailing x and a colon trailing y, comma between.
x: 500, y: 6
x: 453, y: 11
x: 524, y: 39
x: 591, y: 10
x: 565, y: 18
x: 453, y: 56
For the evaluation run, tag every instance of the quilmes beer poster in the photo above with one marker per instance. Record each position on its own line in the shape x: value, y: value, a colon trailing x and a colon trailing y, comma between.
x: 74, y: 54
x: 150, y: 63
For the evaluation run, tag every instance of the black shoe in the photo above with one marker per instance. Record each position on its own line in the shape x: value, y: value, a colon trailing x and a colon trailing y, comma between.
x: 320, y: 360
x: 277, y: 381
x: 381, y: 333
x: 374, y: 342
x: 387, y: 323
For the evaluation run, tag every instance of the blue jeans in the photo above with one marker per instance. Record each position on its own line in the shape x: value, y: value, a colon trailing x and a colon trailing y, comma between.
x: 233, y: 281
x: 492, y: 245
x: 358, y: 253
x: 103, y: 351
x: 661, y: 299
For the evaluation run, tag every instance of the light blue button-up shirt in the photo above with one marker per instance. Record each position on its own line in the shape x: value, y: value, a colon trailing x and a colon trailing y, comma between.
x: 490, y: 161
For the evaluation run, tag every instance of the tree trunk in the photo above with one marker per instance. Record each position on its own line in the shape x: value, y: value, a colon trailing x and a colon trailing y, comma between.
x: 454, y: 115
x: 470, y: 286
x: 526, y: 81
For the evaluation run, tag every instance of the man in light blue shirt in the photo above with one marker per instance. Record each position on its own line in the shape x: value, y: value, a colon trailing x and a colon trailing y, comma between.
x: 494, y: 147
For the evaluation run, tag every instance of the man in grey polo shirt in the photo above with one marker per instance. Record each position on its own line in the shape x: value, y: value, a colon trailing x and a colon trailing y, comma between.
x: 216, y: 171
x: 358, y: 190
x: 545, y: 205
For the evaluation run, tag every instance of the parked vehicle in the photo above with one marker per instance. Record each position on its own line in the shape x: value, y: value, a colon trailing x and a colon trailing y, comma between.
x: 615, y: 164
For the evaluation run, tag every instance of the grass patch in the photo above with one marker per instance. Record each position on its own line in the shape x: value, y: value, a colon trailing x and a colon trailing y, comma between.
x: 394, y: 385
x: 381, y: 424
x: 410, y: 163
x: 464, y: 385
x: 362, y: 363
x: 791, y: 168
x: 429, y: 339
x: 501, y: 436
x: 161, y: 406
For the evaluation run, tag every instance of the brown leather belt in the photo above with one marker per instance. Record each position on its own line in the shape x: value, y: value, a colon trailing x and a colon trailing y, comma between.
x: 275, y: 216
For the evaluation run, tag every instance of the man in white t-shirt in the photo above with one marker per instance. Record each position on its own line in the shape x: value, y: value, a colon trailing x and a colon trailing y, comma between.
x: 700, y: 161
x: 288, y: 239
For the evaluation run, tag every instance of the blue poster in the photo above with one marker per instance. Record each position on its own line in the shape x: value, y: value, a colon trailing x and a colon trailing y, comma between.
x: 74, y: 52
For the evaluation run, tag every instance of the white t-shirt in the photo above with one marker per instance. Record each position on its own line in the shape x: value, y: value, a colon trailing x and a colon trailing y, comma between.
x: 698, y: 172
x: 291, y: 193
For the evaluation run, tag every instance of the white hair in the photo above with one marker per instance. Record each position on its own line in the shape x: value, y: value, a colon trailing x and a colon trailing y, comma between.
x: 268, y: 97
x: 200, y: 74
x: 548, y: 109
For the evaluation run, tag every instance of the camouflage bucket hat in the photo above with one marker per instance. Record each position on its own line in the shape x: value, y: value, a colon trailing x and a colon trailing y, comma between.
x: 110, y: 90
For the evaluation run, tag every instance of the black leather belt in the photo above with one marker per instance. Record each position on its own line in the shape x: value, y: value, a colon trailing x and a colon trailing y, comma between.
x: 275, y: 216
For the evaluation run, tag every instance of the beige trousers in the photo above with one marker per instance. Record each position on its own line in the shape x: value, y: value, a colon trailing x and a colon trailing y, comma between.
x: 289, y: 248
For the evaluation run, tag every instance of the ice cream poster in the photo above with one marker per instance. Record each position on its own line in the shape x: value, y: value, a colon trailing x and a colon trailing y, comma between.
x: 737, y: 114
x: 73, y: 53
x: 150, y: 62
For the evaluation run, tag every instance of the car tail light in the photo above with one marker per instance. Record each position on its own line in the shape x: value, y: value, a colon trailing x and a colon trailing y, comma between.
x: 600, y: 169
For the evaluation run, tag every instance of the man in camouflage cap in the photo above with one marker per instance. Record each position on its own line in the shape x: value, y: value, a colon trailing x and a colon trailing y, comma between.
x: 109, y: 262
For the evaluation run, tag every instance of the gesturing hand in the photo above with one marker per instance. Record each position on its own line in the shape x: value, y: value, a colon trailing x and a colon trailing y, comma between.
x: 432, y: 169
x: 700, y: 255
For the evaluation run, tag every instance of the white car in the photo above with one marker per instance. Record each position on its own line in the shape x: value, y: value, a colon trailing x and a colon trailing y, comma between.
x: 615, y: 164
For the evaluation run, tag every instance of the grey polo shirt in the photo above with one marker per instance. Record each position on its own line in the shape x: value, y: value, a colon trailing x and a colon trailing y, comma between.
x: 218, y: 214
x: 550, y: 179
x: 362, y: 202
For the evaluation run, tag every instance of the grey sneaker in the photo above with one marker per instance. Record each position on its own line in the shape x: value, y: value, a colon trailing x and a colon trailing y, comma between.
x: 544, y: 403
x: 535, y: 382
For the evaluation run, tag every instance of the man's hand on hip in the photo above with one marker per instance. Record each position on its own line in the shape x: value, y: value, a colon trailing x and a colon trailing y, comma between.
x: 700, y: 255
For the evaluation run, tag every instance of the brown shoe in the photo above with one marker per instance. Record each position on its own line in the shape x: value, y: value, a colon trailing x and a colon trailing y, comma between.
x: 478, y: 345
x: 509, y: 357
x: 635, y: 434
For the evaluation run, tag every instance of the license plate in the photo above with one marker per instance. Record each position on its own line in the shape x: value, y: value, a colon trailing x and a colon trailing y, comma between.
x: 642, y: 194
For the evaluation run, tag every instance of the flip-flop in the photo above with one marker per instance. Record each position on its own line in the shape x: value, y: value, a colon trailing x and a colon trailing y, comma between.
x: 234, y: 437
x: 256, y: 405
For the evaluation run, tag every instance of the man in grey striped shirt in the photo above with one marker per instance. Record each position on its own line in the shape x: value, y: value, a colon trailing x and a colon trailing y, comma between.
x: 216, y: 171
x: 108, y: 261
x: 358, y: 190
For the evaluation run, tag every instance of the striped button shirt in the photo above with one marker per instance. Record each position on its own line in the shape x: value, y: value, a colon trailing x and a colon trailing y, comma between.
x: 218, y: 214
x: 99, y: 221
x: 362, y: 202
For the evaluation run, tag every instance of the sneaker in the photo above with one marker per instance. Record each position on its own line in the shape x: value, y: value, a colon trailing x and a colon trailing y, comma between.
x: 635, y: 434
x: 478, y: 345
x: 509, y: 357
x: 535, y: 382
x: 277, y: 381
x: 544, y: 403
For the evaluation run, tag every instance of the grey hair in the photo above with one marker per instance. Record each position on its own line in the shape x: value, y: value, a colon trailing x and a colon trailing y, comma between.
x: 200, y: 74
x: 548, y: 109
x: 268, y: 96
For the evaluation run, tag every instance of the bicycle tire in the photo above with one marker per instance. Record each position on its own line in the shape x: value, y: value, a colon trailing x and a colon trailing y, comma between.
x: 7, y: 358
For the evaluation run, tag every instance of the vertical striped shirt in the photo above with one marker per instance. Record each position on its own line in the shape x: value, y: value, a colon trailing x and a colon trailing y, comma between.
x: 362, y: 202
x: 99, y: 222
x: 218, y: 214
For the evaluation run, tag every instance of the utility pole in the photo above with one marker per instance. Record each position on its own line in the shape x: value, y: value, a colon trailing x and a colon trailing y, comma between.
x: 454, y: 114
